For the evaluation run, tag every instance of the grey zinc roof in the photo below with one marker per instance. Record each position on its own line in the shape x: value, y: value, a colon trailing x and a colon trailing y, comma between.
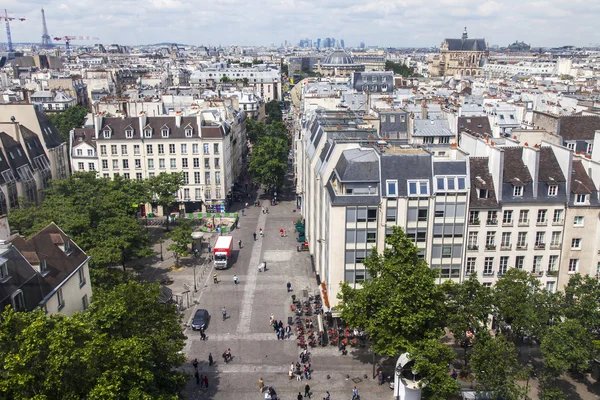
x: 403, y: 167
x: 466, y: 44
x: 432, y: 127
x: 358, y: 165
x: 450, y: 168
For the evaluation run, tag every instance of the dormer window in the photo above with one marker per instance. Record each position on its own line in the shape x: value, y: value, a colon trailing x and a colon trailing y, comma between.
x: 67, y: 246
x: 552, y: 190
x: 106, y: 134
x: 164, y: 132
x: 148, y: 132
x: 483, y: 193
x: 581, y: 199
x: 129, y: 133
x: 188, y: 132
x: 4, y: 271
x: 518, y: 191
x: 43, y: 267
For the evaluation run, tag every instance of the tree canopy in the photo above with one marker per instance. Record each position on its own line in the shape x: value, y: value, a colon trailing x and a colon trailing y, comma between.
x: 125, y: 346
x: 273, y: 111
x: 164, y: 188
x: 182, y: 239
x: 398, y: 69
x: 72, y: 117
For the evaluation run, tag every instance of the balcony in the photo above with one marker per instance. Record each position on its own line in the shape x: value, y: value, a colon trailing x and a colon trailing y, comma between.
x: 472, y: 248
x: 491, y: 222
x: 521, y: 246
x: 523, y: 222
x: 540, y: 246
x: 507, y: 246
x: 537, y: 273
x: 555, y: 246
x: 507, y: 223
x: 557, y: 223
x: 488, y: 273
x: 490, y: 247
x: 542, y: 223
x: 469, y: 273
x: 474, y: 221
x: 552, y: 273
x: 500, y: 273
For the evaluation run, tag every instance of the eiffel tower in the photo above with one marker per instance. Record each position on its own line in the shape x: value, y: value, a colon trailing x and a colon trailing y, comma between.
x: 46, y: 40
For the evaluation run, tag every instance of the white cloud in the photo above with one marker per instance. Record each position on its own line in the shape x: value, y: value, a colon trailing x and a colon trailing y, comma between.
x: 250, y: 22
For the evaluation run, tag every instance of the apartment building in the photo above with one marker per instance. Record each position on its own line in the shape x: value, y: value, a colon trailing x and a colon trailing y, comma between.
x: 84, y: 155
x: 208, y: 148
x: 46, y: 271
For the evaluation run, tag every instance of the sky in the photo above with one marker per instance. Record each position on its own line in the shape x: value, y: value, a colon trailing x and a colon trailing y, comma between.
x: 394, y: 23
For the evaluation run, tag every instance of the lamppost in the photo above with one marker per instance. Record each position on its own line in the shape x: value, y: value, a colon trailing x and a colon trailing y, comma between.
x: 161, y: 253
x: 196, y: 236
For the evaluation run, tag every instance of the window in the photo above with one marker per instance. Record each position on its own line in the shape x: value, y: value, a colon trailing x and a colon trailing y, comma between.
x: 218, y: 194
x: 470, y: 267
x: 371, y: 215
x: 557, y: 218
x: 173, y: 162
x: 103, y: 150
x: 217, y: 178
x: 128, y: 133
x: 573, y: 265
x: 164, y: 132
x: 186, y: 194
x: 576, y: 244
x: 195, y: 148
x: 150, y: 163
x: 149, y: 149
x: 196, y: 162
x: 524, y: 217
x: 60, y: 298
x: 188, y: 132
x: 207, y: 178
x: 537, y: 264
x: 217, y: 163
x: 418, y: 188
x: 472, y: 241
x: 439, y: 213
x: 555, y: 239
x: 446, y: 251
x: 115, y: 164
x: 392, y: 118
x: 581, y: 199
x: 490, y: 240
x: 197, y: 177
x: 206, y: 148
x: 522, y: 240
x: 198, y: 192
x: 590, y: 147
x: 578, y: 220
x: 126, y: 175
x: 81, y: 275
x: 371, y: 237
x: 186, y: 178
x: 483, y: 193
x: 518, y: 191
x: 461, y: 183
x: 138, y: 163
x: 184, y: 163
x: 84, y: 302
x: 216, y: 148
x: 151, y: 175
x: 488, y: 266
x: 136, y: 149
x: 161, y: 149
x: 519, y: 262
x: 125, y: 164
x: 107, y: 134
x: 503, y: 266
x: 552, y: 263
x: 172, y: 148
x: 505, y: 243
x: 79, y: 152
x: 4, y: 272
x: 113, y: 149
x: 540, y: 243
x: 492, y: 217
x: 422, y: 214
x: 507, y: 217
x: 148, y: 132
x: 541, y: 217
x: 207, y: 194
x: 80, y: 166
x: 124, y: 149
x: 90, y: 152
x: 138, y: 176
x: 104, y: 164
x: 392, y: 188
x: 161, y: 163
x: 207, y: 163
x: 474, y: 217
x: 552, y: 190
x: 428, y: 140
x: 391, y: 215
x: 444, y: 139
x: 91, y: 166
x: 183, y: 148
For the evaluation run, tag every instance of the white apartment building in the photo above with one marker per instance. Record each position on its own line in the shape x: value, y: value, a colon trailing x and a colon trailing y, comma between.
x: 84, y: 156
x: 208, y: 149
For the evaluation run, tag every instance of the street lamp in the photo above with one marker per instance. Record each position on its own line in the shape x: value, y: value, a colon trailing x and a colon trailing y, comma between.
x: 196, y: 236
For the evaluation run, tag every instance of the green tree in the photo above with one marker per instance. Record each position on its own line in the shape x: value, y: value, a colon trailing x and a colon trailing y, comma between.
x: 398, y: 69
x: 71, y: 118
x: 165, y: 186
x: 399, y: 303
x: 431, y: 358
x: 496, y: 366
x: 225, y: 79
x: 566, y: 346
x: 182, y: 239
x: 581, y: 301
x: 273, y: 111
x: 269, y: 161
x: 254, y: 130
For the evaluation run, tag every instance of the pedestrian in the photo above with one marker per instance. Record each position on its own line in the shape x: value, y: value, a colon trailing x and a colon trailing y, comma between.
x: 202, y: 334
x: 281, y: 333
x: 280, y: 324
x: 261, y: 384
x: 263, y: 209
x: 281, y: 232
x: 288, y: 330
x: 254, y: 235
x: 244, y: 210
x: 284, y: 233
x: 260, y: 231
x: 210, y: 360
x: 215, y: 278
x: 205, y: 381
x: 240, y: 243
x: 235, y: 279
x: 307, y: 391
x: 380, y: 378
x: 300, y: 396
x: 267, y: 209
x: 355, y: 393
x: 278, y: 334
x: 298, y: 376
x: 289, y: 287
x: 196, y: 253
x: 327, y: 396
x: 195, y: 364
x: 224, y: 312
x: 246, y: 205
x: 209, y: 248
x: 201, y: 381
x: 197, y: 378
x: 271, y: 320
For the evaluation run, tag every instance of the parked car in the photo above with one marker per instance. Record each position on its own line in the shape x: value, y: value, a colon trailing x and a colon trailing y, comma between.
x: 200, y: 319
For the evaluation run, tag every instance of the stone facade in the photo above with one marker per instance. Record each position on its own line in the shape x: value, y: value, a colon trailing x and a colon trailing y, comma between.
x: 459, y: 57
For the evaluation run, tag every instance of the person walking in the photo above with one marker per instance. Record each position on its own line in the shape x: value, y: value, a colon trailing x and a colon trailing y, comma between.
x: 327, y: 396
x: 288, y: 331
x: 380, y: 378
x: 289, y: 287
x: 195, y: 364
x: 355, y: 395
x: 197, y: 376
x: 224, y: 312
x: 260, y: 231
x: 201, y: 381
x: 281, y: 232
x: 261, y: 384
x: 254, y: 235
x: 281, y: 333
x: 235, y: 279
x: 300, y: 396
x: 210, y: 360
x: 215, y: 278
x: 263, y: 209
x: 240, y: 243
x: 205, y: 381
x: 196, y: 253
x: 244, y: 211
x: 307, y: 391
x: 278, y: 334
x: 202, y: 334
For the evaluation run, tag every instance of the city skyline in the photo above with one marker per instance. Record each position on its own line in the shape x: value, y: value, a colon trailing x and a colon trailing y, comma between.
x: 400, y: 23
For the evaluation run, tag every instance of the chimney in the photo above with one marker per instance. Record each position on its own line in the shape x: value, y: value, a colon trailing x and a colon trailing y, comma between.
x: 178, y: 119
x: 424, y: 113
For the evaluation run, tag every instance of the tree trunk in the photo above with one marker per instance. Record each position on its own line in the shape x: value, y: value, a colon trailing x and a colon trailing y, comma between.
x: 168, y: 215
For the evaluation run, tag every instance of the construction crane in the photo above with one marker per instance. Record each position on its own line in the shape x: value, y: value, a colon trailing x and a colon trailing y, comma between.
x: 8, y: 19
x: 68, y: 39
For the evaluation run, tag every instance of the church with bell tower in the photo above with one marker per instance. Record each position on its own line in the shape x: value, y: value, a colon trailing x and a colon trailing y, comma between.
x: 460, y: 57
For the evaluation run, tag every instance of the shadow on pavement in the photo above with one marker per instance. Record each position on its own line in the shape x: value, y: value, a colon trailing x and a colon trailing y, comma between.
x: 194, y: 390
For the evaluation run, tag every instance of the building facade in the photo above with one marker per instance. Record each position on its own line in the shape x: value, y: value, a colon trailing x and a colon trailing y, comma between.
x: 460, y: 57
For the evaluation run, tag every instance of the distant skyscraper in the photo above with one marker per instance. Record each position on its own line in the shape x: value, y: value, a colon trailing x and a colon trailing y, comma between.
x: 342, y: 44
x: 318, y: 43
x: 332, y: 42
x: 362, y: 45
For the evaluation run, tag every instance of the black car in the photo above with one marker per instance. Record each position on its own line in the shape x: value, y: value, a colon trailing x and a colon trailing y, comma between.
x: 200, y: 319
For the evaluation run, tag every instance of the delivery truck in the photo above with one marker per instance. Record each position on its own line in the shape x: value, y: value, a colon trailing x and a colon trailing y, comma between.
x: 222, y: 251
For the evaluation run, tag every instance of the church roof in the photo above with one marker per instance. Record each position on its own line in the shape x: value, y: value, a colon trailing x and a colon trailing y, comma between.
x: 466, y: 44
